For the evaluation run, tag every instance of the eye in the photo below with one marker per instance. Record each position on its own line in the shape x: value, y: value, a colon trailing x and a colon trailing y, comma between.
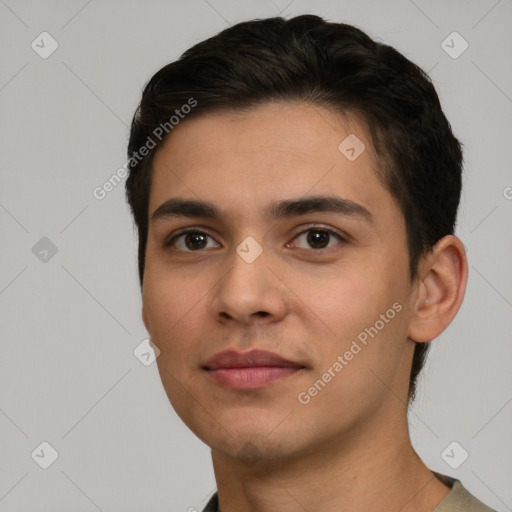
x: 191, y: 241
x: 317, y: 238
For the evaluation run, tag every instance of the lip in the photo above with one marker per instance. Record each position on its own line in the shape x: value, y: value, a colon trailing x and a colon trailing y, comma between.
x: 249, y: 370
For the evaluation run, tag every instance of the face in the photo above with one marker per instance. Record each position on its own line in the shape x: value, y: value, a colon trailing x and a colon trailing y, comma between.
x: 277, y: 282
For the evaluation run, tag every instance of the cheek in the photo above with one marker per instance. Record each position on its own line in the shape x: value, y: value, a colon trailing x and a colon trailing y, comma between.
x: 169, y: 295
x: 363, y: 315
x: 346, y: 301
x: 174, y: 311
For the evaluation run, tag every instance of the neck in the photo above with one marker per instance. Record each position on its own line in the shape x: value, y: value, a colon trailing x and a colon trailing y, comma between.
x: 375, y: 470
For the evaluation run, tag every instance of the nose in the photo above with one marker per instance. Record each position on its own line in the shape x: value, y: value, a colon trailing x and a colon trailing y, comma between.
x: 250, y: 292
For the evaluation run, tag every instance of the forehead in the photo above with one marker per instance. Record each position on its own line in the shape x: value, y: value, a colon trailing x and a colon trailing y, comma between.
x: 265, y: 154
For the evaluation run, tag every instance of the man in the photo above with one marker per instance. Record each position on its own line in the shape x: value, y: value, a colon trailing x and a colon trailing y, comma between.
x: 295, y: 187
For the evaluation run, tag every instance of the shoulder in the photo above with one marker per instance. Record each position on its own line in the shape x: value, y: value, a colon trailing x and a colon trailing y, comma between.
x: 459, y: 499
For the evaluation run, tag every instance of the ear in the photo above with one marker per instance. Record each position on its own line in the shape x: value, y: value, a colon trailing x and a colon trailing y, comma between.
x: 442, y: 283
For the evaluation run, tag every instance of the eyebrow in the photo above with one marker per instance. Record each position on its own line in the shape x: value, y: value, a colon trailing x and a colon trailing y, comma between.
x: 175, y: 207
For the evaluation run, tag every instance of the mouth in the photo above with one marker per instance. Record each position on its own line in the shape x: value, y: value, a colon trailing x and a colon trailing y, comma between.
x: 249, y: 370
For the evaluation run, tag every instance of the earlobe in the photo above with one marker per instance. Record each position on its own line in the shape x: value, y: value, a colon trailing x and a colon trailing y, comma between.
x: 441, y: 290
x: 145, y: 319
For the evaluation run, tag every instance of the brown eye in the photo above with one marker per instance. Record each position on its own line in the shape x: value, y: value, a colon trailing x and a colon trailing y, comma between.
x: 195, y: 241
x: 192, y: 241
x: 317, y: 238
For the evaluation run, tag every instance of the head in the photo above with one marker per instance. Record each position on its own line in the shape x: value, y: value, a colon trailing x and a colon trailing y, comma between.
x: 256, y: 115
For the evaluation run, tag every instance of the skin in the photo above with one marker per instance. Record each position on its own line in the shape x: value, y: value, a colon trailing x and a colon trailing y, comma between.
x: 271, y: 452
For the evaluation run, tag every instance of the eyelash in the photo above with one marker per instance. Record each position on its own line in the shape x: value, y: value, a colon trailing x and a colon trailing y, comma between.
x: 343, y: 239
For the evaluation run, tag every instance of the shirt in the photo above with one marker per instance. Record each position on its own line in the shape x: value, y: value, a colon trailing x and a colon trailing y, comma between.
x: 459, y: 499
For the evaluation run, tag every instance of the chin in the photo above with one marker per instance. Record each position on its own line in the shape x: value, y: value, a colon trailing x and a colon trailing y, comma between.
x: 250, y: 448
x: 242, y: 436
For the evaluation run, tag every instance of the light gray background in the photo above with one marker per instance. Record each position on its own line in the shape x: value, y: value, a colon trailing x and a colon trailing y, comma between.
x: 68, y: 375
